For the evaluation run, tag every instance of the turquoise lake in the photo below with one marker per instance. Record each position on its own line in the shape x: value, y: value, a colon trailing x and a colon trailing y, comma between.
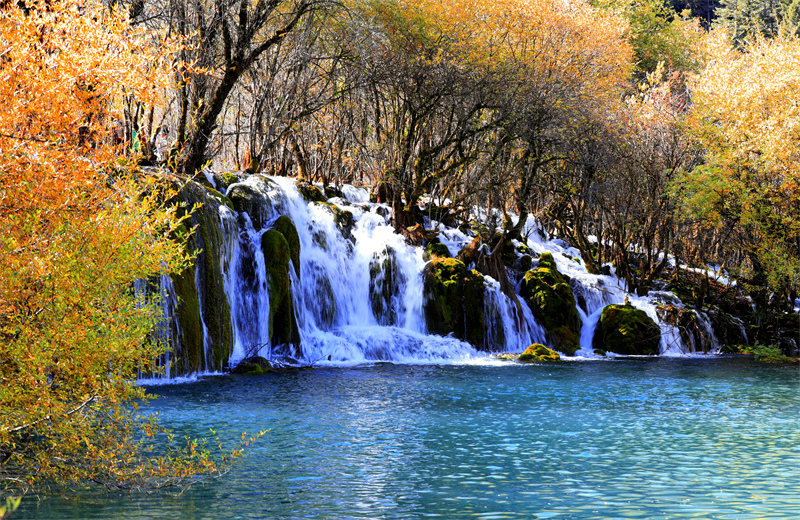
x: 652, y: 438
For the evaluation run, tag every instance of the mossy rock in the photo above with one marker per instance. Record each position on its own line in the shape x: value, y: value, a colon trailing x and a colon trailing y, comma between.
x: 626, y: 330
x: 252, y: 366
x: 383, y: 285
x: 538, y: 353
x: 286, y: 227
x: 310, y: 192
x: 282, y: 323
x: 333, y: 191
x: 247, y: 199
x: 454, y: 300
x: 552, y: 301
x: 345, y: 222
x: 525, y: 262
x: 188, y: 358
x: 209, y: 240
x: 437, y: 250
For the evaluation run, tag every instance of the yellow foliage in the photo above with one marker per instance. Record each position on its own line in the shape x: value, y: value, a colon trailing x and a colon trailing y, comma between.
x: 77, y: 228
x: 746, y: 115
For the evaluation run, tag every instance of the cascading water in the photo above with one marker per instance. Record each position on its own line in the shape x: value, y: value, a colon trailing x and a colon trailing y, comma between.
x: 358, y: 293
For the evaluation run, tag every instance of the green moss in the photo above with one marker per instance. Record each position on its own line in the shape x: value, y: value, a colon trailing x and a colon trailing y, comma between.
x: 455, y: 300
x: 282, y: 323
x: 189, y: 356
x: 525, y: 262
x: 523, y: 249
x: 437, y: 250
x: 538, y: 353
x: 202, y: 290
x: 222, y: 199
x: 228, y: 178
x: 253, y: 366
x: 286, y: 227
x: 626, y: 330
x: 310, y: 192
x: 552, y: 302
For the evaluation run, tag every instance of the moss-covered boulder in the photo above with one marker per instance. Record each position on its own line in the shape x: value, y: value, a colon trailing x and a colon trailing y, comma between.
x: 247, y: 199
x: 286, y: 227
x: 252, y: 366
x: 454, y: 300
x: 188, y: 356
x: 384, y: 286
x: 552, y: 302
x: 626, y: 330
x: 538, y: 353
x: 282, y: 323
x: 310, y: 192
x: 437, y: 250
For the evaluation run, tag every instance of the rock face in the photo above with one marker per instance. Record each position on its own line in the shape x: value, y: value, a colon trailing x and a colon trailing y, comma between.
x: 454, y: 300
x: 538, y: 353
x: 282, y: 323
x: 626, y: 330
x: 688, y: 325
x: 384, y: 286
x: 552, y: 302
x: 249, y: 200
x: 286, y: 227
x: 200, y: 289
x: 252, y: 366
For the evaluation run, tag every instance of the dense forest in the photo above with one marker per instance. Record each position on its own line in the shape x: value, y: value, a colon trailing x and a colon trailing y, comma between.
x: 660, y: 138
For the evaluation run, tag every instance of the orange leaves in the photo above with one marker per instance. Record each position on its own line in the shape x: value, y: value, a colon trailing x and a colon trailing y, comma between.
x: 76, y: 231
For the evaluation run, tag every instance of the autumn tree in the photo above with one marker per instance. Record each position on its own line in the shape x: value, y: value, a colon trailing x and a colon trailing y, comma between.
x: 745, y: 117
x: 77, y: 229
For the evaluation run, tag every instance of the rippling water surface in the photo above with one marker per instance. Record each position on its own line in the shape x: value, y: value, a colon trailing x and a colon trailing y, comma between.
x: 666, y: 438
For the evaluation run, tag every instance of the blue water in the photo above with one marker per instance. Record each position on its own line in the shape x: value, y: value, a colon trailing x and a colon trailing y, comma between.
x: 664, y: 438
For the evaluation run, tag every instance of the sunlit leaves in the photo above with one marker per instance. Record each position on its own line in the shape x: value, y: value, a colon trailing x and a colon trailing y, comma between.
x: 746, y: 116
x: 78, y: 227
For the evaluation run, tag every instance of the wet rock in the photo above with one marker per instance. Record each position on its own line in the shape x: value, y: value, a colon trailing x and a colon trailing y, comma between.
x: 249, y: 200
x: 286, y: 227
x: 200, y: 287
x: 252, y: 366
x: 728, y: 329
x: 345, y: 222
x: 688, y: 325
x: 437, y: 250
x: 310, y: 192
x: 282, y: 324
x: 454, y: 300
x: 538, y: 353
x: 384, y: 286
x: 626, y: 330
x: 553, y: 303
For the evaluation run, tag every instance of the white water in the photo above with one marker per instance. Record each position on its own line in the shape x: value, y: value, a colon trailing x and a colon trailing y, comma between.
x: 341, y: 277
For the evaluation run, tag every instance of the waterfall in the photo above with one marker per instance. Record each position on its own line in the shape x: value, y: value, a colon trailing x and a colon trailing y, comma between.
x: 356, y: 288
